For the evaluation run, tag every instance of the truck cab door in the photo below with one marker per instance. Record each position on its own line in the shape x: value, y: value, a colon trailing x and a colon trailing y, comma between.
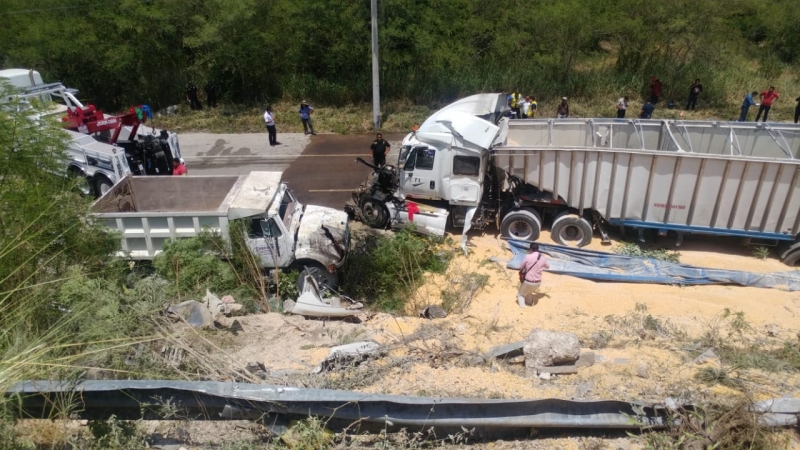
x: 269, y: 239
x: 419, y: 177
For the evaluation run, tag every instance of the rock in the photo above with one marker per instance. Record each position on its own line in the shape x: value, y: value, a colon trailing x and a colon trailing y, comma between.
x: 621, y: 361
x: 548, y: 348
x: 707, y: 356
x: 641, y: 371
x: 194, y: 313
x: 433, y: 312
x: 228, y: 299
x: 544, y: 376
x: 506, y: 351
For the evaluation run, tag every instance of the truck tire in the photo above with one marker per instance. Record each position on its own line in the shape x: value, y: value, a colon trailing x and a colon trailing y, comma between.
x: 101, y: 186
x: 325, y: 280
x: 373, y: 212
x: 81, y: 182
x: 521, y: 225
x: 571, y: 230
x: 791, y: 257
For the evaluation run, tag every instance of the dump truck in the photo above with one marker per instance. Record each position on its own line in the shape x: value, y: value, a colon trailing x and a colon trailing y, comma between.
x: 471, y: 164
x: 150, y: 210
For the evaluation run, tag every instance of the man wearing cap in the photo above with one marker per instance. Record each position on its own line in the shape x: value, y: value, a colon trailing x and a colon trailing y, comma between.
x: 563, y: 109
x: 305, y: 116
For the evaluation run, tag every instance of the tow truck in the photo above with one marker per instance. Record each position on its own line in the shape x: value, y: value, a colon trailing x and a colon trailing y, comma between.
x: 119, y: 144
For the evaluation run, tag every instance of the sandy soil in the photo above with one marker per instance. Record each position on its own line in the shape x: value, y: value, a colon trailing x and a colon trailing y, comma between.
x: 439, y: 356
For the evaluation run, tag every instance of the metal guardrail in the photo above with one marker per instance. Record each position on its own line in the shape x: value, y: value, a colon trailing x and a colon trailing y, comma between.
x: 275, y: 406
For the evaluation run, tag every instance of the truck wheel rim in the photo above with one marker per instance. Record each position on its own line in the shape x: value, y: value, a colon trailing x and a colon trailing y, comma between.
x: 520, y: 229
x: 370, y: 211
x: 571, y: 233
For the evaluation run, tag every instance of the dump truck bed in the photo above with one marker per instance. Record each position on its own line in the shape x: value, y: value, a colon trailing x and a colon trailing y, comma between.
x: 148, y: 211
x: 714, y: 177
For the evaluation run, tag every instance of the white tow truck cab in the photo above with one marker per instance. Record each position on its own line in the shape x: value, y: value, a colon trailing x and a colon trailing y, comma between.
x: 280, y: 230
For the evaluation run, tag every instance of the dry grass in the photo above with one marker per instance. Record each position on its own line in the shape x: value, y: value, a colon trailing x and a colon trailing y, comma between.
x: 397, y: 116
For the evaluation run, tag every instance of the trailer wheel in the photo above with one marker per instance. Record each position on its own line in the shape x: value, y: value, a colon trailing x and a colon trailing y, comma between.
x: 791, y: 257
x: 522, y: 225
x: 325, y: 280
x: 373, y: 212
x: 571, y: 230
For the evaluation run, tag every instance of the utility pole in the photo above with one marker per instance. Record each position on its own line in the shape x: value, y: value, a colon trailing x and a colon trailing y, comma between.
x: 376, y: 84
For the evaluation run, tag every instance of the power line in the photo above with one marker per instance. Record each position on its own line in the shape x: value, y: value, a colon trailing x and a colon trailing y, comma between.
x: 57, y: 8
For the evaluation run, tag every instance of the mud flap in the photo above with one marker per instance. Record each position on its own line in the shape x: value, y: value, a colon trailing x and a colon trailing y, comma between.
x: 425, y: 219
x: 467, y: 226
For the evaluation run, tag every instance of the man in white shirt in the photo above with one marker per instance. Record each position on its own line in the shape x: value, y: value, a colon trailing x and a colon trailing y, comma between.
x: 622, y: 107
x: 269, y: 119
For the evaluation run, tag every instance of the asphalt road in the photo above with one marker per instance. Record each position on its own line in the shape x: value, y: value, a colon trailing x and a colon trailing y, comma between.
x: 326, y: 172
x: 321, y: 170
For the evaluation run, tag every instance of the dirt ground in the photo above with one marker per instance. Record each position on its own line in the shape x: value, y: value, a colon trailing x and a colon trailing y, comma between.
x: 440, y: 358
x: 436, y: 354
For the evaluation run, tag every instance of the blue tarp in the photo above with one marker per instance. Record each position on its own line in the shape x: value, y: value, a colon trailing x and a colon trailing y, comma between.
x: 601, y: 266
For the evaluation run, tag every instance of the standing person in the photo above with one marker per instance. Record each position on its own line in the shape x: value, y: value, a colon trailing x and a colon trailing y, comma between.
x: 532, y: 109
x: 514, y: 101
x: 748, y: 102
x: 211, y: 93
x: 379, y: 149
x: 525, y: 106
x: 622, y: 107
x: 305, y: 117
x: 768, y: 97
x: 655, y: 89
x: 191, y: 97
x: 797, y: 110
x: 269, y: 119
x: 694, y: 90
x: 647, y: 110
x: 563, y: 109
x: 178, y: 167
x: 530, y: 275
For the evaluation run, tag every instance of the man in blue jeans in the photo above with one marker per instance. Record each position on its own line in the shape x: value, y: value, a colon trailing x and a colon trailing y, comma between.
x: 748, y: 102
x: 305, y: 116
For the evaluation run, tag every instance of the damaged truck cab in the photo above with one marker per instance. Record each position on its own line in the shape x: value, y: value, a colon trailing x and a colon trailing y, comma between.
x: 282, y: 232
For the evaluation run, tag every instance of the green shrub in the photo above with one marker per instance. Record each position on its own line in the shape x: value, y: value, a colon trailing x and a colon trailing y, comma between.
x: 632, y: 249
x: 383, y: 269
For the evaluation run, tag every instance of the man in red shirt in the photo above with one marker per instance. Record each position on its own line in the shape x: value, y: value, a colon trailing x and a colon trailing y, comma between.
x: 767, y: 98
x: 530, y: 275
x: 178, y: 168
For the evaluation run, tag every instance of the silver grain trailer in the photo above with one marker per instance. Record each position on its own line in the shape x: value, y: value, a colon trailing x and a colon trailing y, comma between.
x: 719, y: 178
x: 722, y: 178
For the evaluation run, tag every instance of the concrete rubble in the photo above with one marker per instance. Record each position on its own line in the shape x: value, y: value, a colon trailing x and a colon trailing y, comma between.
x: 545, y: 348
x: 349, y: 354
x: 545, y: 353
x: 202, y: 315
